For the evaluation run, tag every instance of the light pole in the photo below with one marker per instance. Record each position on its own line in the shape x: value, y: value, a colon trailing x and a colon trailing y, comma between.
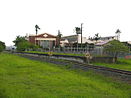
x: 81, y: 35
x: 77, y: 32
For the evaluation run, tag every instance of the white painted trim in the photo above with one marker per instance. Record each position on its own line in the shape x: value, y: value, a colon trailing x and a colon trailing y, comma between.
x: 45, y: 38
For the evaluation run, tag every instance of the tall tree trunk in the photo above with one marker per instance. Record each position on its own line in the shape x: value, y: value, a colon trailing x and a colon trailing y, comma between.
x: 115, y: 57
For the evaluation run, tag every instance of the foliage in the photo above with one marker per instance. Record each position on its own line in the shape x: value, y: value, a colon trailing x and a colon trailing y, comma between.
x: 21, y: 78
x: 22, y: 44
x: 59, y: 38
x: 96, y: 37
x: 2, y: 46
x: 19, y: 39
x: 115, y: 47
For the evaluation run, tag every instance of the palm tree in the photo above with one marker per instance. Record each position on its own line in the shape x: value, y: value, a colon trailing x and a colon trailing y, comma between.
x: 36, y: 28
x: 118, y: 34
x: 96, y: 37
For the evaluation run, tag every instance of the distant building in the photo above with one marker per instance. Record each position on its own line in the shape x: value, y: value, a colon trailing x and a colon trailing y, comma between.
x: 108, y: 38
x: 49, y: 41
x: 103, y: 40
x: 64, y: 42
x: 44, y: 40
x: 69, y: 40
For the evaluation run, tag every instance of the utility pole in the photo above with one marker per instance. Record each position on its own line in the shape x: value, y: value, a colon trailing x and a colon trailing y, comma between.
x: 78, y: 31
x: 81, y: 35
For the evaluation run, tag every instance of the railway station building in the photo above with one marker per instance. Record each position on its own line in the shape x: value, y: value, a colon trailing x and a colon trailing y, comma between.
x: 44, y: 40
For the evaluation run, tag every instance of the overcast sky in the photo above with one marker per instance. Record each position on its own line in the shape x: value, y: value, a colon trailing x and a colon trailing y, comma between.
x: 19, y: 17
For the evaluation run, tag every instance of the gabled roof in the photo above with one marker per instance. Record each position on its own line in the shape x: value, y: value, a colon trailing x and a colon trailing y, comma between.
x: 101, y: 43
x: 46, y: 35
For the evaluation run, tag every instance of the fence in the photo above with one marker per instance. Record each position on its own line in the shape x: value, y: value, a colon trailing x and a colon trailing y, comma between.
x: 93, y: 51
x: 96, y: 51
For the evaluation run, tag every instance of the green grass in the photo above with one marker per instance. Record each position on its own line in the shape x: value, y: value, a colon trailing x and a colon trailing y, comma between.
x: 124, y: 64
x: 24, y: 78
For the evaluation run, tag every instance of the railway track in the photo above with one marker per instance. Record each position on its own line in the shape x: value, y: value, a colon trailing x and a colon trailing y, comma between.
x: 107, y: 69
x: 80, y: 65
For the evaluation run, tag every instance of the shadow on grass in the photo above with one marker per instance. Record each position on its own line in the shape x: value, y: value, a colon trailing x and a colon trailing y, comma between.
x: 3, y: 94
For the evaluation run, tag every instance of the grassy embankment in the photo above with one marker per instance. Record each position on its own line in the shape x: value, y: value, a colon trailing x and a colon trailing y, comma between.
x: 23, y: 78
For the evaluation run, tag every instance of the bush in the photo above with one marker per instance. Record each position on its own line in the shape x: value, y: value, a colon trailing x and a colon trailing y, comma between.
x: 2, y: 46
x: 22, y: 44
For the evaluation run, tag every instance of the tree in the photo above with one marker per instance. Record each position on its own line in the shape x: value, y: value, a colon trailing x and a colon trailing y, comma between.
x: 22, y: 44
x: 96, y: 37
x: 59, y: 38
x: 115, y: 47
x: 19, y: 39
x: 36, y: 28
x: 118, y: 34
x: 2, y: 46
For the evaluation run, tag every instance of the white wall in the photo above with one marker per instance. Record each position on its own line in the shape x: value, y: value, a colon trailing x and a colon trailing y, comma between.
x: 84, y: 39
